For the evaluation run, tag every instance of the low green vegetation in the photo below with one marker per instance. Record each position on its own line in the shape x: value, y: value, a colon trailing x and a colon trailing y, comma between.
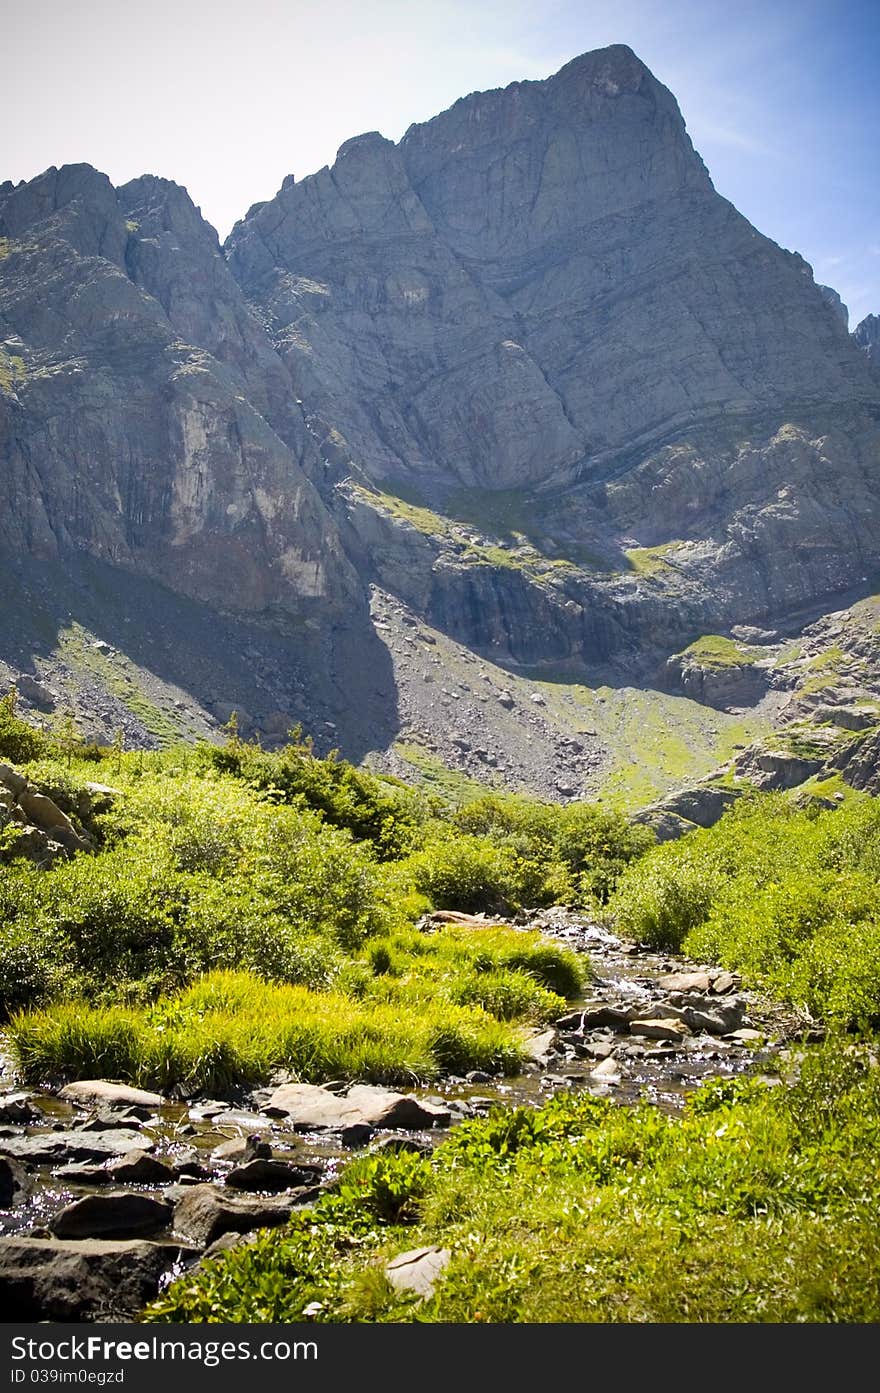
x: 12, y: 369
x: 756, y: 1204
x: 653, y: 561
x: 715, y: 652
x: 263, y: 902
x: 786, y: 896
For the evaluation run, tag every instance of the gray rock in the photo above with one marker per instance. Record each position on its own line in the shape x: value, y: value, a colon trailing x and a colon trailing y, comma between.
x: 55, y: 1148
x: 43, y: 1279
x: 666, y: 1028
x: 112, y: 1216
x: 103, y: 1093
x: 261, y: 1174
x: 14, y: 1183
x: 204, y: 1213
x: 140, y: 1168
x: 17, y: 1109
x: 309, y: 1106
x: 242, y: 1149
x: 417, y: 1271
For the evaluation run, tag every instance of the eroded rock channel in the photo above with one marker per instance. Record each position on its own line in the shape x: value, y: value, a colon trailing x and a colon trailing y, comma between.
x: 107, y: 1192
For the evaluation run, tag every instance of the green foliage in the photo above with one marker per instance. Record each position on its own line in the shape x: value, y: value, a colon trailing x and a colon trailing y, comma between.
x: 382, y: 812
x: 786, y: 896
x: 19, y: 742
x: 503, y: 851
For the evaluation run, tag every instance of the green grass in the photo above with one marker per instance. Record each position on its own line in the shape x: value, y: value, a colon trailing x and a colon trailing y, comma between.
x: 757, y: 1204
x: 652, y: 561
x: 230, y: 1029
x: 715, y: 652
x: 430, y: 773
x: 13, y: 371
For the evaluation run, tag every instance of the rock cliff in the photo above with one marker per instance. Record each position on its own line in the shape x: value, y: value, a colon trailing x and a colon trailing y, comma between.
x: 525, y: 374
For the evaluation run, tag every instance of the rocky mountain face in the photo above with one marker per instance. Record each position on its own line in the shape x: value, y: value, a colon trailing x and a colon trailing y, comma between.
x: 524, y: 376
x: 867, y: 336
x: 140, y: 403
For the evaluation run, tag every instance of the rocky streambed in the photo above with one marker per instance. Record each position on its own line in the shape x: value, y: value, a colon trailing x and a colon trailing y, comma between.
x: 108, y: 1192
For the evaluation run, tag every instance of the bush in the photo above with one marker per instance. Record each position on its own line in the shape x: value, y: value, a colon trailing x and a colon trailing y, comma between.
x: 19, y: 742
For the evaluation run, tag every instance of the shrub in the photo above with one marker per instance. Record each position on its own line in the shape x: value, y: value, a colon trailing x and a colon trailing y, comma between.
x: 19, y: 742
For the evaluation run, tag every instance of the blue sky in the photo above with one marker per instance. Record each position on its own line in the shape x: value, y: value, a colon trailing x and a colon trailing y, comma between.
x: 781, y: 98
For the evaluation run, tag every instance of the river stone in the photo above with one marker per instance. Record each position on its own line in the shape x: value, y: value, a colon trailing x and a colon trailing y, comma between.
x: 204, y: 1213
x: 48, y: 1148
x: 309, y: 1106
x: 101, y: 1092
x: 242, y: 1149
x: 14, y: 1183
x: 398, y: 1143
x: 83, y: 1173
x: 540, y: 1046
x: 125, y: 1215
x: 16, y: 1110
x: 607, y: 1017
x: 261, y: 1174
x: 417, y: 1270
x: 140, y: 1168
x: 665, y: 1029
x: 608, y: 1071
x: 685, y: 982
x: 723, y: 983
x: 44, y: 1279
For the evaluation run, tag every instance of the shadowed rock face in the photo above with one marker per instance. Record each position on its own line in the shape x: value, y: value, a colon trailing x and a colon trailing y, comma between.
x: 137, y: 417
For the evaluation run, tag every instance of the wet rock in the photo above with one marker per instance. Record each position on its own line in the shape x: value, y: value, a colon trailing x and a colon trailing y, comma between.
x: 204, y: 1213
x: 685, y: 982
x: 410, y: 1144
x: 44, y: 1279
x: 573, y: 1021
x: 615, y: 1018
x: 242, y: 1149
x: 125, y: 1215
x: 83, y: 1173
x: 261, y: 1174
x: 746, y: 1036
x: 56, y: 1148
x: 140, y: 1168
x: 14, y: 1183
x: 417, y: 1270
x: 16, y: 1109
x: 478, y: 1076
x: 608, y: 1071
x: 103, y: 1093
x: 310, y: 1106
x: 540, y: 1046
x: 109, y: 1121
x: 723, y: 983
x: 358, y: 1134
x: 665, y: 1029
